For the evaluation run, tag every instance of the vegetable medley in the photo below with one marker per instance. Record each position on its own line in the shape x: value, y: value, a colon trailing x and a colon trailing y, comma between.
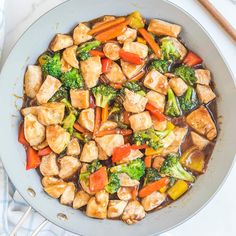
x: 118, y: 117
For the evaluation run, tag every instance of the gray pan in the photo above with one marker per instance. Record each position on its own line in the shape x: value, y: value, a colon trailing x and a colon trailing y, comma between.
x: 36, y: 39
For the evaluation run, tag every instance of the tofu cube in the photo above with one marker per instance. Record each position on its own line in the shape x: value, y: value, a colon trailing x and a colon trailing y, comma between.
x: 205, y: 93
x: 140, y: 121
x: 203, y: 76
x: 79, y: 98
x: 156, y: 99
x: 178, y: 86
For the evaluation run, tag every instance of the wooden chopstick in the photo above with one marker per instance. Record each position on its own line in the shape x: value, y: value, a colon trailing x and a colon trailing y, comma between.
x: 219, y: 18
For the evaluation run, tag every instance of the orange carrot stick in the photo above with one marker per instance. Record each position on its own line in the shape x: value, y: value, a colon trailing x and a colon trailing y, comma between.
x: 116, y: 85
x: 97, y: 121
x: 105, y: 113
x: 95, y: 53
x: 138, y: 76
x: 154, y: 46
x: 80, y: 128
x: 106, y: 25
x: 148, y: 161
x: 124, y: 132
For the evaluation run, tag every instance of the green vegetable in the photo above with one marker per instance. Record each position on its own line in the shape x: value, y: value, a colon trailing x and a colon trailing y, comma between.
x: 172, y: 167
x: 69, y: 107
x: 189, y: 101
x: 187, y: 74
x: 83, y: 50
x: 135, y: 169
x: 159, y: 65
x: 103, y: 94
x: 52, y: 65
x: 172, y: 106
x: 72, y: 79
x: 116, y: 108
x: 68, y: 122
x: 113, y: 183
x: 60, y: 94
x: 136, y: 20
x: 150, y: 137
x: 169, y: 52
x: 91, y: 168
x: 81, y: 137
x: 135, y: 87
x: 151, y: 175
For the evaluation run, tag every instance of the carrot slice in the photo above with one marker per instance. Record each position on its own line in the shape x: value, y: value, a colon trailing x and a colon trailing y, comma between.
x: 138, y: 76
x: 45, y: 151
x: 130, y: 57
x: 98, y: 180
x: 97, y: 121
x: 106, y: 25
x: 113, y: 32
x: 192, y: 59
x: 124, y: 132
x: 148, y: 161
x: 80, y: 128
x: 152, y: 187
x: 105, y: 113
x: 21, y: 135
x: 138, y: 147
x: 33, y: 159
x: 116, y: 85
x: 95, y: 53
x: 154, y: 46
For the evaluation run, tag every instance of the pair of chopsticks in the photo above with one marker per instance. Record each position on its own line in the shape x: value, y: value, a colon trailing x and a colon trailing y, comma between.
x: 219, y: 18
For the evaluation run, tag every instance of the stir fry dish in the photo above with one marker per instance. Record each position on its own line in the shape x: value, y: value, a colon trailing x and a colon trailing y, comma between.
x: 119, y: 117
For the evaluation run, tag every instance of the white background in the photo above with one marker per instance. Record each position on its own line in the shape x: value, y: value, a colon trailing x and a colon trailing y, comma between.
x: 218, y: 218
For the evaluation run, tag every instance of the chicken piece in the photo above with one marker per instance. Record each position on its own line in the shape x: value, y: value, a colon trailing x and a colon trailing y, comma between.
x: 61, y: 41
x: 157, y: 162
x: 133, y: 212
x: 69, y: 55
x: 86, y: 119
x: 56, y: 190
x: 30, y: 110
x: 178, y: 46
x: 57, y: 138
x: 130, y: 70
x: 73, y: 148
x: 111, y: 51
x: 159, y: 27
x: 51, y: 113
x: 201, y: 121
x: 140, y: 121
x: 129, y: 35
x: 91, y: 69
x: 50, y: 180
x: 47, y: 90
x: 65, y: 66
x: 156, y: 81
x: 178, y: 86
x: 80, y: 34
x: 116, y: 208
x: 134, y: 154
x: 48, y: 165
x: 153, y: 200
x: 126, y: 181
x: 85, y: 184
x: 89, y: 152
x: 205, y: 93
x: 41, y: 145
x: 81, y: 199
x: 108, y: 125
x: 33, y: 130
x: 109, y: 142
x: 157, y: 100
x: 68, y: 195
x: 199, y: 141
x: 115, y: 75
x: 159, y: 125
x: 102, y: 154
x: 79, y: 98
x: 203, y: 76
x: 33, y: 80
x: 97, y: 206
x: 137, y: 48
x: 126, y: 193
x: 134, y: 102
x: 69, y: 165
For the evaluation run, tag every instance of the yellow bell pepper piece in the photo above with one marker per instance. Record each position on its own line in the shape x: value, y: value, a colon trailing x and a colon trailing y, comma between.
x: 178, y: 189
x: 163, y: 189
x: 42, y: 59
x: 170, y: 125
x: 149, y: 151
x: 136, y: 20
x: 141, y: 40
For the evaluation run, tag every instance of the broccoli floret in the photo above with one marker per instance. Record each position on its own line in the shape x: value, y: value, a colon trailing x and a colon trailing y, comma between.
x: 52, y: 65
x: 151, y: 175
x: 83, y: 50
x: 81, y: 137
x: 169, y: 52
x: 135, y: 87
x: 135, y: 169
x: 150, y: 137
x: 187, y: 74
x: 159, y: 65
x: 113, y: 183
x: 116, y: 108
x: 72, y: 79
x: 189, y: 100
x: 172, y: 106
x: 69, y: 107
x: 172, y: 167
x: 103, y: 94
x: 68, y: 122
x: 61, y: 93
x: 91, y: 168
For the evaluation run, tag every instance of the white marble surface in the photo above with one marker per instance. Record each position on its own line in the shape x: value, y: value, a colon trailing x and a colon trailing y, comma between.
x: 218, y: 217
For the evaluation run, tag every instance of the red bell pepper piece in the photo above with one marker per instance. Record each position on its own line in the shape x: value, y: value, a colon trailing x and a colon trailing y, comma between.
x: 33, y: 159
x: 138, y: 147
x: 192, y: 59
x: 106, y: 65
x: 21, y: 135
x: 98, y: 180
x: 130, y: 57
x: 156, y: 112
x: 120, y: 152
x: 95, y: 53
x: 45, y: 151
